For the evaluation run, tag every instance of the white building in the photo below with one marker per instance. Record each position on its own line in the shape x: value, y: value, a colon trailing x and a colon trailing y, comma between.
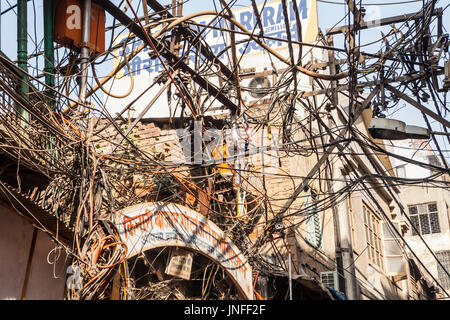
x: 427, y: 207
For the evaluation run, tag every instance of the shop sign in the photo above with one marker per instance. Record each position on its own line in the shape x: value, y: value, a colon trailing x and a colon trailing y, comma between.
x: 152, y: 225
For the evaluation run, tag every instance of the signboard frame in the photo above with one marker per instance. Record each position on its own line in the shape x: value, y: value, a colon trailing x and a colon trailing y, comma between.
x: 153, y: 225
x: 145, y: 69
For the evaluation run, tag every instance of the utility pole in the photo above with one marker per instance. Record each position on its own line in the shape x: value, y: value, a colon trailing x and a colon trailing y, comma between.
x: 85, y: 38
x: 48, y: 43
x: 49, y: 62
x: 22, y: 53
x: 345, y: 235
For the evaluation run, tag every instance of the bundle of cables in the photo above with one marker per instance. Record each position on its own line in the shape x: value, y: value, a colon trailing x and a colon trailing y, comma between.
x: 101, y: 271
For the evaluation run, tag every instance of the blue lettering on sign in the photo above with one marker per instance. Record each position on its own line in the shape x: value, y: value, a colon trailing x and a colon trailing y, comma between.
x: 245, y: 18
x: 273, y: 24
x: 139, y: 63
x: 135, y: 65
x: 302, y: 8
x: 147, y: 64
x: 268, y: 14
x: 280, y: 15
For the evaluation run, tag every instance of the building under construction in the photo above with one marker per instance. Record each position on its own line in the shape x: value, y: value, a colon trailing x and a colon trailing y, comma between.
x: 157, y: 150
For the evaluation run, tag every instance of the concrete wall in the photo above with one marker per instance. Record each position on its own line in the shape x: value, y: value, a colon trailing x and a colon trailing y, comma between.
x: 411, y: 195
x: 418, y: 150
x: 16, y: 235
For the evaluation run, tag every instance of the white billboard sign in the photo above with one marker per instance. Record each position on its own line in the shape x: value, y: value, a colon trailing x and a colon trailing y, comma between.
x: 145, y: 69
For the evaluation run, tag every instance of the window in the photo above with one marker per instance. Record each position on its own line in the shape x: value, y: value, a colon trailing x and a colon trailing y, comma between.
x: 313, y: 220
x: 373, y: 238
x: 444, y: 258
x: 395, y: 265
x: 425, y: 218
x: 330, y: 279
x: 414, y: 278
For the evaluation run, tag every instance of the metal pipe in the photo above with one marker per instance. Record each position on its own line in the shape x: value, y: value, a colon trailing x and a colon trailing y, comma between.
x: 416, y: 104
x: 22, y: 34
x: 85, y: 38
x: 440, y: 133
x: 160, y: 9
x: 381, y: 22
x: 48, y: 43
x: 22, y: 54
x: 290, y: 276
x: 49, y: 62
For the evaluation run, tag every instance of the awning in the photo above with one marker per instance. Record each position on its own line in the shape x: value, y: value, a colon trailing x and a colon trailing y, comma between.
x: 33, y: 211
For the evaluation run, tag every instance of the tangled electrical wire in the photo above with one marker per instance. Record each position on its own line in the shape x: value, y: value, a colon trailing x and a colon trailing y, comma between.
x: 103, y: 258
x: 96, y: 163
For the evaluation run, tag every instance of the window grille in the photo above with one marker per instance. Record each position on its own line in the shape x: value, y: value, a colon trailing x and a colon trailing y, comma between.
x: 425, y: 218
x: 330, y: 279
x: 444, y: 258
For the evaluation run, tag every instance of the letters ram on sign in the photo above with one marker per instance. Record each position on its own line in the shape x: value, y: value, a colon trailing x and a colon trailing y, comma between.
x: 145, y: 68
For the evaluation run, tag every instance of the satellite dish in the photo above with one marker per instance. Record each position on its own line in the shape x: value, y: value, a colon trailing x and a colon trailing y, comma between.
x: 258, y: 87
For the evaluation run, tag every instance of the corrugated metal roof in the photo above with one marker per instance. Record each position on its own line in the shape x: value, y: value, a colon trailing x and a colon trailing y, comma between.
x: 33, y: 210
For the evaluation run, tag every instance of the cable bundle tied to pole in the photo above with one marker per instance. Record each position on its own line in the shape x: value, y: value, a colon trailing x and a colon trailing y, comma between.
x: 102, y: 263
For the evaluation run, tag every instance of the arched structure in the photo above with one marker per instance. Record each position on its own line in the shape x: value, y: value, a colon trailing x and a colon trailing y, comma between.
x: 148, y: 226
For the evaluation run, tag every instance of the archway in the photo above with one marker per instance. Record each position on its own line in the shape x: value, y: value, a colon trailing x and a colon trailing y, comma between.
x: 156, y: 229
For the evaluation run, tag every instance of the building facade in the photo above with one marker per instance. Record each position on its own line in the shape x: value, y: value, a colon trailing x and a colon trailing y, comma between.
x: 427, y: 207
